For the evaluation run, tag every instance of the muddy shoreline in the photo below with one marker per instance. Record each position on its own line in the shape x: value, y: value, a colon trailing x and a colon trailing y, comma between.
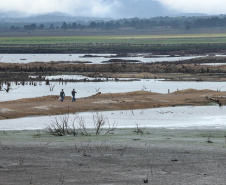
x: 157, y: 156
x: 158, y: 49
x: 50, y: 105
x: 187, y: 70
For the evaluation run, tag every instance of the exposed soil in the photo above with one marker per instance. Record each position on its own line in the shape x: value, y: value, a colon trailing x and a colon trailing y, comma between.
x: 50, y: 105
x: 188, y: 70
x: 158, y: 156
x: 158, y: 49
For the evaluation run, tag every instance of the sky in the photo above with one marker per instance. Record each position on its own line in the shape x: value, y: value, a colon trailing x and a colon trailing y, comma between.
x: 115, y: 8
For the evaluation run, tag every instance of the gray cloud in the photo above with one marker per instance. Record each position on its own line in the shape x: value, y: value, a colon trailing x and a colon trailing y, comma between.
x: 196, y: 6
x: 74, y: 7
x: 115, y: 8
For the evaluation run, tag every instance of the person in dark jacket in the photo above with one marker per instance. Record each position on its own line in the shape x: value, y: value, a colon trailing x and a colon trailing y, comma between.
x: 73, y: 95
x: 62, y: 95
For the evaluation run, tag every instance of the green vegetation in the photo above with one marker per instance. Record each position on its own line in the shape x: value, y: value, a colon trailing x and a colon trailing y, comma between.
x: 160, y: 44
x: 159, y: 35
x: 134, y: 39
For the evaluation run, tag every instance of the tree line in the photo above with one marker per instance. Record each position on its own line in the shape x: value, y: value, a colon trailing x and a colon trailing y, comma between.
x: 183, y: 22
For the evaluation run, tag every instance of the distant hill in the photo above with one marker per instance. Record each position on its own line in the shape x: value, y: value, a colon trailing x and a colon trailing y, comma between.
x: 21, y: 17
x: 192, y: 14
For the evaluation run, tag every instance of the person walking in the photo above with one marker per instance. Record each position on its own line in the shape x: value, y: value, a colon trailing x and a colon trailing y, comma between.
x: 73, y: 95
x: 62, y: 95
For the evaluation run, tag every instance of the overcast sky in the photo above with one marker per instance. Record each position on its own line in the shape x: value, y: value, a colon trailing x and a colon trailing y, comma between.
x: 115, y: 8
x: 196, y: 6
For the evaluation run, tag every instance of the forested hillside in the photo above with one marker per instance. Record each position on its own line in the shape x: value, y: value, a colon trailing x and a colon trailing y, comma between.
x: 65, y: 23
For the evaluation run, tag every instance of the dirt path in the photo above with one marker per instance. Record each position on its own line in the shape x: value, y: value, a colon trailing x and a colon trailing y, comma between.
x: 49, y: 105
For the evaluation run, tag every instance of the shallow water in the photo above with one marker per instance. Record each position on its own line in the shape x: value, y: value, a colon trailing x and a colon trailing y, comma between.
x: 173, y: 117
x: 85, y: 89
x: 26, y: 58
x: 187, y: 117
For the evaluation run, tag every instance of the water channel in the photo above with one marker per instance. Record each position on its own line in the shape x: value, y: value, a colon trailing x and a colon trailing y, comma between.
x: 27, y: 58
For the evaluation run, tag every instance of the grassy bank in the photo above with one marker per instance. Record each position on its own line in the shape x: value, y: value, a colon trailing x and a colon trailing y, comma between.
x: 114, y: 39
